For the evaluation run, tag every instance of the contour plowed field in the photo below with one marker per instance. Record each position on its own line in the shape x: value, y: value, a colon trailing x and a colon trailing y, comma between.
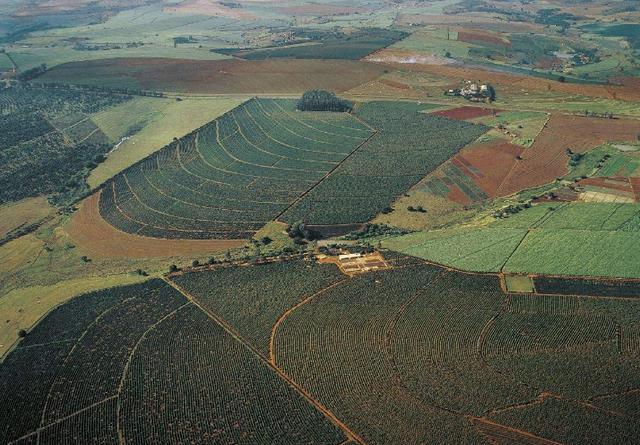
x: 232, y: 176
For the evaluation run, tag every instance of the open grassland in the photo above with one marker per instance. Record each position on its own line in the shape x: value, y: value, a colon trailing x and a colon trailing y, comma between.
x: 453, y: 358
x: 277, y: 76
x: 394, y: 159
x: 230, y: 177
x: 570, y: 239
x: 23, y: 214
x: 150, y: 124
x: 118, y: 337
x: 28, y: 58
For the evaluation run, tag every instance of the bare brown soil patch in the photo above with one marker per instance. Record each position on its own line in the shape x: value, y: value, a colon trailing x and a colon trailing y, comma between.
x: 635, y: 185
x: 516, y: 84
x: 487, y: 164
x: 464, y: 113
x: 547, y: 159
x: 220, y: 76
x: 89, y: 231
x: 621, y: 184
x: 482, y: 37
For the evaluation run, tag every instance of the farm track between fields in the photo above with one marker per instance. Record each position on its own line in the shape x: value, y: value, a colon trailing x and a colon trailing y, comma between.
x: 236, y: 335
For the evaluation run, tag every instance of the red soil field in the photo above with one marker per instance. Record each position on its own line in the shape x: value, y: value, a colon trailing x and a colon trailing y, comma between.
x: 89, y: 231
x: 621, y: 184
x: 477, y: 36
x: 547, y: 160
x: 487, y: 164
x: 635, y: 184
x: 464, y: 113
x: 458, y: 196
x: 230, y: 76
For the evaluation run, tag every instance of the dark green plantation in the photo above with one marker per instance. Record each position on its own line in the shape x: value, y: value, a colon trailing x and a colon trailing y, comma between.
x: 264, y: 161
x: 294, y: 352
x: 232, y: 176
x: 48, y: 143
x: 408, y: 145
x: 324, y: 45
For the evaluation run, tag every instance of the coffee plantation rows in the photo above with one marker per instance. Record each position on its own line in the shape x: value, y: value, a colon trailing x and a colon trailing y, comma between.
x: 266, y: 293
x: 92, y: 366
x: 226, y: 394
x: 257, y: 354
x: 230, y: 177
x: 48, y: 142
x: 586, y: 286
x: 408, y: 145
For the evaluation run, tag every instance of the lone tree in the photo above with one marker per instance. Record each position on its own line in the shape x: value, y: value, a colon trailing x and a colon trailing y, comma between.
x: 320, y: 100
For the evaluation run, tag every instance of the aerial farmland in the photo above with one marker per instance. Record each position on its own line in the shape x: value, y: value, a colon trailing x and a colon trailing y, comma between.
x: 331, y: 222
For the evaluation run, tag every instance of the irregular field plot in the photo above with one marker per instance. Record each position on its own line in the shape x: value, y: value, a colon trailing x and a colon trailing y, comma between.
x: 144, y: 364
x: 464, y: 113
x: 547, y: 160
x: 218, y: 76
x: 230, y: 177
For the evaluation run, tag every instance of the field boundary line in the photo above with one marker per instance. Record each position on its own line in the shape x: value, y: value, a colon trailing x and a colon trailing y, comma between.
x: 125, y: 370
x: 303, y: 392
x: 60, y: 420
x: 329, y: 173
x: 292, y: 309
x: 73, y: 348
x: 541, y: 440
x: 389, y: 327
x: 514, y: 250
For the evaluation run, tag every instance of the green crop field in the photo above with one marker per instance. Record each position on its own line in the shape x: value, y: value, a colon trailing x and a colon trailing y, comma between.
x: 393, y: 160
x: 233, y: 175
x: 570, y: 239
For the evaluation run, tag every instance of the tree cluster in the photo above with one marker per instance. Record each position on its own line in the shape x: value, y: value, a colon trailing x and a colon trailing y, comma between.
x: 320, y: 100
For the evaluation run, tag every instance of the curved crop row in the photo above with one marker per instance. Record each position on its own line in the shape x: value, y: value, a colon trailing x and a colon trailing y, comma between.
x: 230, y: 177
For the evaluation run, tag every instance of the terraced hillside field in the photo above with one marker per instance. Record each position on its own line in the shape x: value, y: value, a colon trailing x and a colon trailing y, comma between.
x: 230, y: 177
x: 264, y: 161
